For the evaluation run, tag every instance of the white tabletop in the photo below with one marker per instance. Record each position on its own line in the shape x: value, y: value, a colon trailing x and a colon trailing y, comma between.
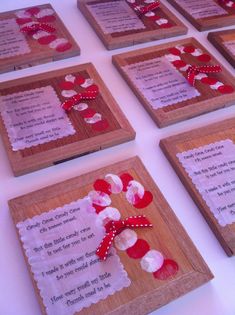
x: 17, y: 295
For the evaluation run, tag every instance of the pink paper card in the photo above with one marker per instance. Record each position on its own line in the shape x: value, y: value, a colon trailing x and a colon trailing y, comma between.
x: 12, y: 41
x: 159, y: 82
x: 34, y: 117
x: 200, y: 9
x: 115, y: 16
x: 60, y: 246
x: 212, y: 170
x: 230, y: 45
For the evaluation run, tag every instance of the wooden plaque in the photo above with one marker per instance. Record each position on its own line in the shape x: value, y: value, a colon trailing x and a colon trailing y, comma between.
x: 206, y: 15
x: 224, y: 41
x: 21, y: 49
x: 88, y: 136
x: 162, y: 23
x: 214, y: 91
x: 197, y: 138
x: 145, y: 292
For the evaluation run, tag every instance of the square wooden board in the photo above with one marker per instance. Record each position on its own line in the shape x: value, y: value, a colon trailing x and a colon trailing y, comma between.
x: 145, y: 293
x: 151, y: 32
x: 207, y: 23
x: 194, y: 139
x: 219, y: 38
x: 208, y: 101
x: 38, y: 53
x: 85, y: 140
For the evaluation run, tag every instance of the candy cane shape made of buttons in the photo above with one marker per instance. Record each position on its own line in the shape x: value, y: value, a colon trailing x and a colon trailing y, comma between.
x: 174, y: 57
x: 148, y: 8
x: 127, y: 240
x: 77, y: 100
x: 35, y: 23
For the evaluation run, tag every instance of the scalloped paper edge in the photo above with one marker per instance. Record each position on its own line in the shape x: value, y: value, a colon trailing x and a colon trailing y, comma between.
x: 122, y: 271
x: 10, y: 131
x: 211, y: 205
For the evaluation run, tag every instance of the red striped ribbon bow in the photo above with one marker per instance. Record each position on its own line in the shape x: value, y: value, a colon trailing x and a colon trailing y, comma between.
x: 38, y: 27
x: 113, y: 228
x: 142, y: 9
x: 194, y: 70
x: 89, y: 94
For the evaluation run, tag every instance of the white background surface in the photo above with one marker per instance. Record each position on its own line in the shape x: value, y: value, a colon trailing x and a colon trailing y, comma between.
x: 17, y: 296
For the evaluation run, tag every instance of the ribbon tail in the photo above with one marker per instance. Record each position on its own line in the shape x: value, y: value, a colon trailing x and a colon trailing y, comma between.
x: 145, y: 9
x: 191, y: 78
x: 38, y: 27
x: 47, y: 28
x: 209, y: 69
x: 68, y: 104
x: 88, y: 95
x: 151, y: 6
x: 138, y: 221
x: 102, y: 250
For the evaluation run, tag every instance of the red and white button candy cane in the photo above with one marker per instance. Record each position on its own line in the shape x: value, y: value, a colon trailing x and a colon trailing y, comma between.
x: 76, y: 100
x: 34, y: 21
x: 151, y: 260
x: 148, y: 8
x: 174, y: 57
x: 45, y: 14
